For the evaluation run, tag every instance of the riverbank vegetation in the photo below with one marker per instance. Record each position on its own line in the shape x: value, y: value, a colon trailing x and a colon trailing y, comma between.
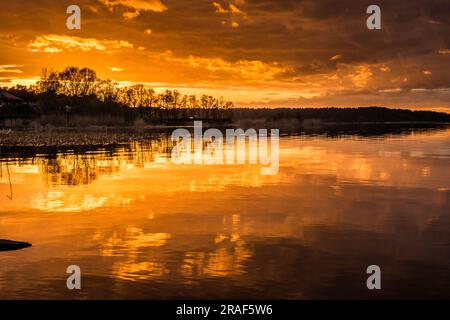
x: 77, y: 97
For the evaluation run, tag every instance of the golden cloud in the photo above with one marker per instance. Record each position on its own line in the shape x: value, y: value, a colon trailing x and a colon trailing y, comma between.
x: 10, y: 82
x: 361, y: 76
x: 232, y: 8
x: 444, y: 51
x: 137, y: 6
x: 253, y: 70
x: 235, y: 9
x: 57, y: 43
x: 10, y: 68
x: 219, y: 8
x: 336, y: 57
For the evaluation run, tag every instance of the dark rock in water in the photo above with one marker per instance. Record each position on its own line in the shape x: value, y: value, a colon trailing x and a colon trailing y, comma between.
x: 8, y: 245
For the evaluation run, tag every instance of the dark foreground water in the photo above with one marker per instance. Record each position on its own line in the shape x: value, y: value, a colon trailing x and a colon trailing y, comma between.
x: 141, y: 227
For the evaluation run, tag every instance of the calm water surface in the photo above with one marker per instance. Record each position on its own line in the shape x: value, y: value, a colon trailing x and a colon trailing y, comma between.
x: 141, y: 227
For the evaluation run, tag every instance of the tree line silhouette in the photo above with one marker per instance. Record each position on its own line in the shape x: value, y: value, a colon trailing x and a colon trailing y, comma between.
x: 77, y: 96
x: 343, y: 115
x: 79, y: 91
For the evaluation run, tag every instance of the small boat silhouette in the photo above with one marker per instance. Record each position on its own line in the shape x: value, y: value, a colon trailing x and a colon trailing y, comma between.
x: 8, y: 245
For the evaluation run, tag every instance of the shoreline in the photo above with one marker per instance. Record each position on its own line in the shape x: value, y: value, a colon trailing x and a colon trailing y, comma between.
x: 97, y: 137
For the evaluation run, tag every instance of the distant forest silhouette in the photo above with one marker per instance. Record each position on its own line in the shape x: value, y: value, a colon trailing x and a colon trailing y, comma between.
x: 77, y: 96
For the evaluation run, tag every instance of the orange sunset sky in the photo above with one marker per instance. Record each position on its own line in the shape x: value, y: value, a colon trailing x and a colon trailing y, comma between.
x: 252, y: 52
